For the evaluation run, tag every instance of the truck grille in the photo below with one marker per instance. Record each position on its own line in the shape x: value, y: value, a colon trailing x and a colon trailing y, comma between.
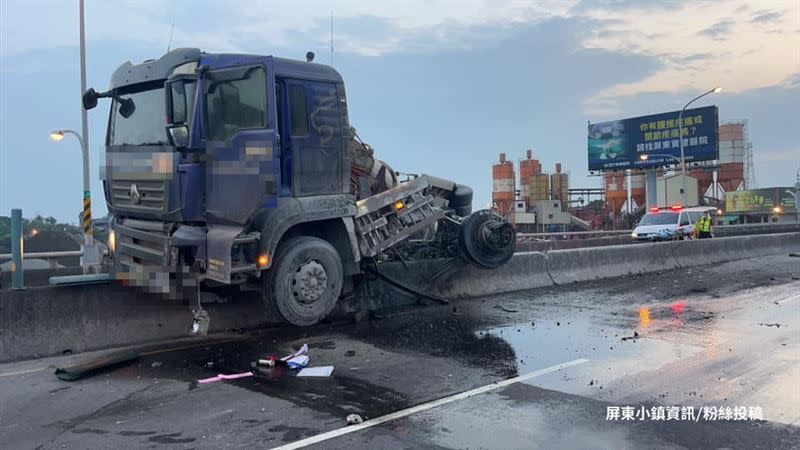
x: 149, y: 196
x: 142, y: 245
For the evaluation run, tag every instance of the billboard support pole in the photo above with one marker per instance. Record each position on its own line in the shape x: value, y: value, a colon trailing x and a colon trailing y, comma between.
x: 680, y: 139
x: 652, y: 197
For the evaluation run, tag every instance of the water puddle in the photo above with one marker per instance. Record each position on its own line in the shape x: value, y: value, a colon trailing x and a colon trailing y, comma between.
x: 613, y: 353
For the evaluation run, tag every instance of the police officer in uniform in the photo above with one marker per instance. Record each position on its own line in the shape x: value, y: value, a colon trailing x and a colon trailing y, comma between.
x: 703, y: 226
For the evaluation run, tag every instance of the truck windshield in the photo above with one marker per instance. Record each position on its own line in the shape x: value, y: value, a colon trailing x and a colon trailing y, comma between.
x: 660, y: 218
x: 146, y: 126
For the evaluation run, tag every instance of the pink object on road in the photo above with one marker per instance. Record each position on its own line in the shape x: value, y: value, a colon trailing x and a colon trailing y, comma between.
x: 221, y: 377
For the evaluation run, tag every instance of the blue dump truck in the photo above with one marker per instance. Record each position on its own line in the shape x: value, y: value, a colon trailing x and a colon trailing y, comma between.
x: 233, y: 171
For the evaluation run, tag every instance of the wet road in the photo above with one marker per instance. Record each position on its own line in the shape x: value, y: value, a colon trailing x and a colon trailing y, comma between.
x: 566, y: 357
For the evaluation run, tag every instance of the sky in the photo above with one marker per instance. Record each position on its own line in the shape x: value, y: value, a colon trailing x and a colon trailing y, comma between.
x: 439, y: 87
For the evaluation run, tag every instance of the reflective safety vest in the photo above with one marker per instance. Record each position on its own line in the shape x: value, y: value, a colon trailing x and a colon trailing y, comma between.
x: 704, y: 224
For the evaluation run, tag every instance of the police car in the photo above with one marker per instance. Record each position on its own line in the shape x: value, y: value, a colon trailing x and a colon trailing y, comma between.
x: 675, y: 220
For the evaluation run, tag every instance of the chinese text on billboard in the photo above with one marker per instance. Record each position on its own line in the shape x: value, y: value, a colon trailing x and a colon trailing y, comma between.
x: 620, y: 144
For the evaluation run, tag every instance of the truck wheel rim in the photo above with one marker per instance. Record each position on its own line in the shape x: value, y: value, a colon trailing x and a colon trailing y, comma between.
x: 309, y: 282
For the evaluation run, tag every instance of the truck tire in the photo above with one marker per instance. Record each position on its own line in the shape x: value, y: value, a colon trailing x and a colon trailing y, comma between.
x: 304, y: 282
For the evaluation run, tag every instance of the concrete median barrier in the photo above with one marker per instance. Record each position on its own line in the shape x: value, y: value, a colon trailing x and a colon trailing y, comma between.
x: 690, y: 253
x: 46, y: 321
x: 525, y: 271
x: 43, y: 321
x: 570, y: 266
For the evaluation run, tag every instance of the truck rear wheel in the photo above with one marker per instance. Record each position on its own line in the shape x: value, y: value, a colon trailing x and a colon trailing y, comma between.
x: 304, y: 282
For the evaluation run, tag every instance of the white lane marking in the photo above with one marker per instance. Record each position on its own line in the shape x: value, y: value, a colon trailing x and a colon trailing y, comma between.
x: 22, y: 372
x: 426, y: 406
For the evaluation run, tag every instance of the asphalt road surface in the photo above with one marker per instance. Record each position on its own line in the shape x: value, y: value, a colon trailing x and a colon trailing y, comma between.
x: 701, y: 357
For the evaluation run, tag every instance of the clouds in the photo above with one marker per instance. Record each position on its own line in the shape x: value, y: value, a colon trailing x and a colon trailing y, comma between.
x: 236, y: 25
x: 766, y: 17
x: 719, y: 31
x: 700, y: 45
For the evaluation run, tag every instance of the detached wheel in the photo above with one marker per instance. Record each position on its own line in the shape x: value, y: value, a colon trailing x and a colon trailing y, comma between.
x: 304, y: 282
x: 487, y: 240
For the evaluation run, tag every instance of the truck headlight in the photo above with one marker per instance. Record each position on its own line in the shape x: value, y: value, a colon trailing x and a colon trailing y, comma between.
x: 112, y: 241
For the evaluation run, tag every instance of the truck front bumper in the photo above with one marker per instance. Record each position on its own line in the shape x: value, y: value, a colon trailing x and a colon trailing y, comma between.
x: 147, y: 254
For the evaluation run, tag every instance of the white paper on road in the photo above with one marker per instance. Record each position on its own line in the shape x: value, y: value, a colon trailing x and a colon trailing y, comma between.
x: 316, y: 372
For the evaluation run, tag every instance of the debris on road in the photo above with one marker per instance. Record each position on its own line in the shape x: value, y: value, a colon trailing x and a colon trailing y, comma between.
x: 72, y: 373
x: 200, y: 322
x: 303, y: 351
x: 635, y: 336
x: 350, y: 353
x: 508, y: 310
x: 316, y: 372
x: 221, y: 377
x: 298, y: 362
x: 794, y: 255
x: 354, y: 419
x: 776, y: 325
x: 156, y: 364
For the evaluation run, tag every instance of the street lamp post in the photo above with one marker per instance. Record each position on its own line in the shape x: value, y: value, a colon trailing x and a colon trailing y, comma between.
x: 680, y: 139
x: 90, y: 254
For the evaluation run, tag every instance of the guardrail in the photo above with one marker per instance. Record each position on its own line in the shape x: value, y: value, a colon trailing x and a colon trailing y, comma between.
x: 727, y: 230
x: 573, y: 234
x: 50, y: 257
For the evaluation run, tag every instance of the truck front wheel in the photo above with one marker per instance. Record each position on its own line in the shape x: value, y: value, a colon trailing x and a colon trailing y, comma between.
x: 304, y: 282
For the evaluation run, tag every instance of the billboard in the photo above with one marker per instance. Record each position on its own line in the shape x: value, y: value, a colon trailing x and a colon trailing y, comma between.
x: 619, y: 144
x: 760, y: 200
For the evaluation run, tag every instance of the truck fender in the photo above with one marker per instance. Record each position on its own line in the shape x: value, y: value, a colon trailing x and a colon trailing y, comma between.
x: 329, y: 217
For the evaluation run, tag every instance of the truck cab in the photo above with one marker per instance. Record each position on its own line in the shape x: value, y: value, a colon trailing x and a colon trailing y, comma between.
x: 229, y: 169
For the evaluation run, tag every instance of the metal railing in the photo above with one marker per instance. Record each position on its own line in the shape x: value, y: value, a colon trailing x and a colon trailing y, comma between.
x: 722, y: 229
x: 50, y: 257
x: 573, y: 234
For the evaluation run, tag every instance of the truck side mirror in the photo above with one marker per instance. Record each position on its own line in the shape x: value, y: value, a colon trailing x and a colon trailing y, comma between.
x: 89, y: 99
x: 177, y: 113
x: 179, y: 135
x: 176, y: 101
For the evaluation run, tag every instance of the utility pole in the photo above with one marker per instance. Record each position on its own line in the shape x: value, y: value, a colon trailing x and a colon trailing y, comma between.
x: 797, y: 196
x: 90, y: 255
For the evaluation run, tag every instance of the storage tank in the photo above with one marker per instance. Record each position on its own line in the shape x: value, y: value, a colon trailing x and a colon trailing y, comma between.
x: 527, y: 168
x: 705, y: 178
x: 503, y: 187
x: 559, y: 186
x: 730, y: 176
x: 638, y: 189
x: 539, y: 188
x: 616, y: 190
